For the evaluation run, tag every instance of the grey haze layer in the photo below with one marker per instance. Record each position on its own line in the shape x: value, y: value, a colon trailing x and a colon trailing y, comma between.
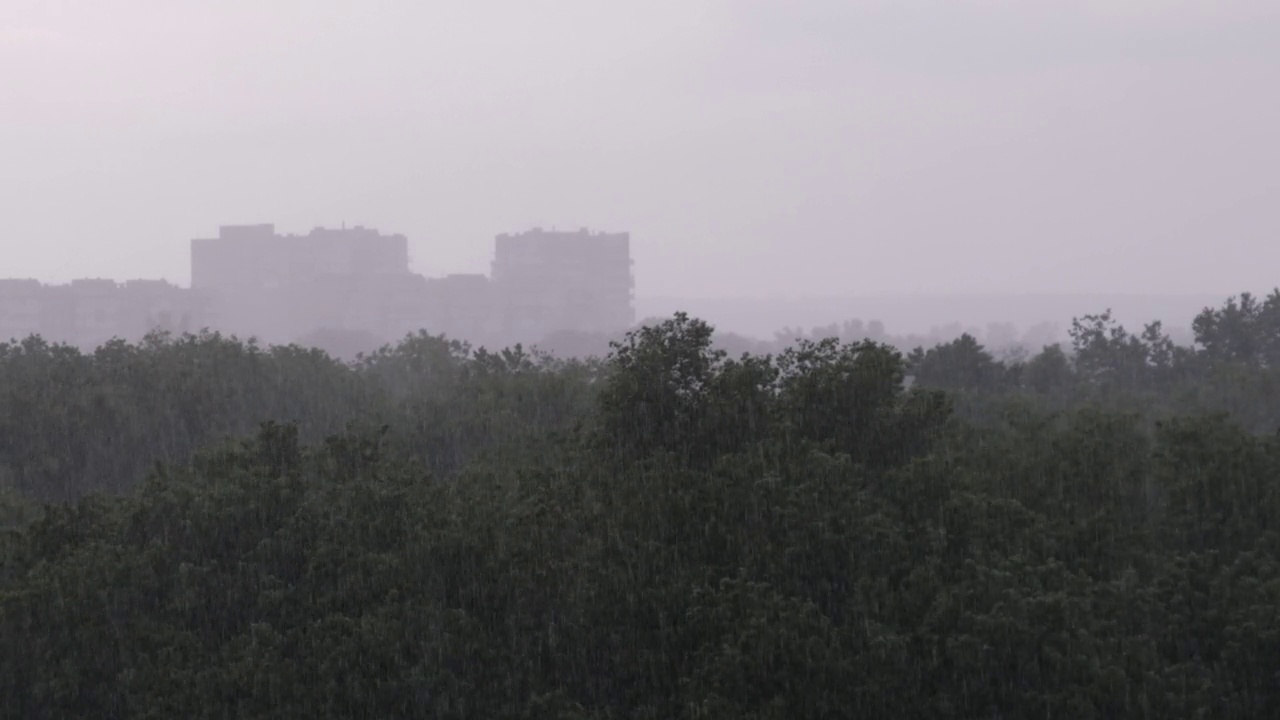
x: 999, y: 319
x: 754, y: 149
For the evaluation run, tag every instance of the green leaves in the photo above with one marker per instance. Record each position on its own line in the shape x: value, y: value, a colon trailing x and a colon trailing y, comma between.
x: 436, y: 531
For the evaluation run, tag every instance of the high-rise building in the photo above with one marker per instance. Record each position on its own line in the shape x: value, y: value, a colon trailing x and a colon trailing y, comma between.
x: 254, y: 282
x: 549, y: 280
x: 255, y: 256
x: 277, y: 287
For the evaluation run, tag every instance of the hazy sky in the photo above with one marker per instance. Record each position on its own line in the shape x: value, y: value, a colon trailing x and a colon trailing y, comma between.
x: 752, y: 147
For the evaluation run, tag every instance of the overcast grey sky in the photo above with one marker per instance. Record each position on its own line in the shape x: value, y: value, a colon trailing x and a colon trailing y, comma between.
x: 753, y: 148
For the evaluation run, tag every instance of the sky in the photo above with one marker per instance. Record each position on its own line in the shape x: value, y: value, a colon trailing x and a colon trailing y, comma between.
x: 753, y: 148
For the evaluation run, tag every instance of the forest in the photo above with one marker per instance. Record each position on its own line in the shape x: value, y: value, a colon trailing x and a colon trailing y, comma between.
x: 197, y: 526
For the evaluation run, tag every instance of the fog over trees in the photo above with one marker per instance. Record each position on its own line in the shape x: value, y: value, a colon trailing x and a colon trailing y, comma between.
x: 585, y: 360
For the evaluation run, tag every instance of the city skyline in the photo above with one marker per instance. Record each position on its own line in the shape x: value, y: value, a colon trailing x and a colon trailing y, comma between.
x: 253, y: 281
x: 938, y: 313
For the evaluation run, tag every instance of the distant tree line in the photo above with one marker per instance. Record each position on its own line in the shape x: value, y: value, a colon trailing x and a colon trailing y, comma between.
x: 196, y: 526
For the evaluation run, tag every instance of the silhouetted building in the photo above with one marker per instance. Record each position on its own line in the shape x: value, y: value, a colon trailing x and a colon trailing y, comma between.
x: 253, y: 282
x: 89, y: 312
x: 21, y: 308
x: 387, y: 307
x: 277, y: 287
x: 463, y: 306
x: 548, y: 281
x: 255, y: 256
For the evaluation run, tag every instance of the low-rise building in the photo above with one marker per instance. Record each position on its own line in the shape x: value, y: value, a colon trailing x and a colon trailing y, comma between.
x: 20, y: 308
x: 89, y: 312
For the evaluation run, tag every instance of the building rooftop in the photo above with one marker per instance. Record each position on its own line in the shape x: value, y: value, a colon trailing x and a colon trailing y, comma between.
x: 581, y: 232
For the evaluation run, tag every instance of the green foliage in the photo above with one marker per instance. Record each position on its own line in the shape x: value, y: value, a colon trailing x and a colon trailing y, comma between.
x: 1242, y: 331
x: 961, y: 364
x: 658, y: 396
x: 436, y: 531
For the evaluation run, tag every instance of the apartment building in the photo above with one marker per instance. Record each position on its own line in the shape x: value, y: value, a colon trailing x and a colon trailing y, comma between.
x: 548, y: 280
x: 254, y: 282
x: 91, y: 311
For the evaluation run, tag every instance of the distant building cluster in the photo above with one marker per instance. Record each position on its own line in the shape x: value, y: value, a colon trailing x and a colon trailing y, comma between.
x: 252, y: 281
x: 90, y: 312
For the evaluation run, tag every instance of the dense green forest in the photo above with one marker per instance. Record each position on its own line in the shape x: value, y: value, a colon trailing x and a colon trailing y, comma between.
x: 197, y: 526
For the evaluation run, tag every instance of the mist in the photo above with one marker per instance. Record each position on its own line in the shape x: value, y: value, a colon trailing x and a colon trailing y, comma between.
x: 752, y: 150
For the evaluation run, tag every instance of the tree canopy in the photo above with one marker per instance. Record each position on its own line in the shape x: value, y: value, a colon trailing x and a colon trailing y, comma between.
x: 197, y: 526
